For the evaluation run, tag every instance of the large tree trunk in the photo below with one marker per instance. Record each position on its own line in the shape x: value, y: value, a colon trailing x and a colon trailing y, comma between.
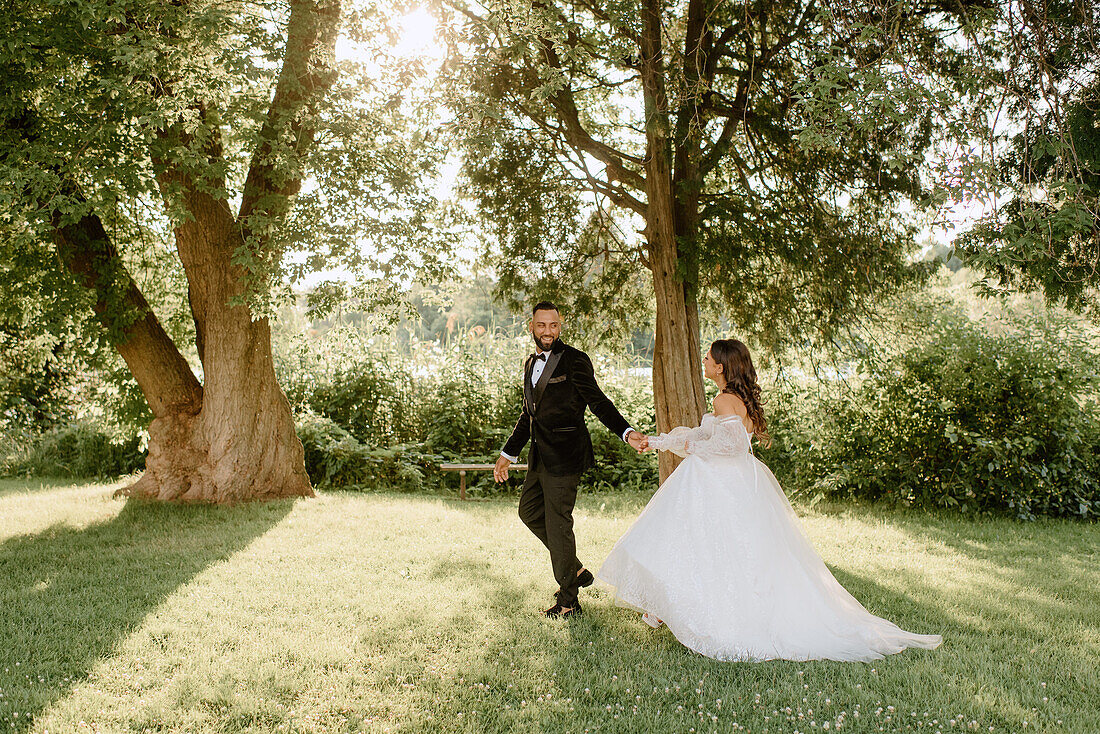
x: 228, y: 441
x: 241, y: 445
x: 687, y: 176
x: 677, y: 366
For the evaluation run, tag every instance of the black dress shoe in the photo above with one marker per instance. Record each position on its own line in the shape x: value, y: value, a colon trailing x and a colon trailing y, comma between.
x: 558, y: 610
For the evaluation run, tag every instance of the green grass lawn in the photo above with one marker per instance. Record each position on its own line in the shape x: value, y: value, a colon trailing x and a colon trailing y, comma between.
x: 388, y: 612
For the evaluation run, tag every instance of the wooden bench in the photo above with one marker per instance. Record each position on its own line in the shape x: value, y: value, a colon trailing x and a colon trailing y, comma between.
x: 463, y: 468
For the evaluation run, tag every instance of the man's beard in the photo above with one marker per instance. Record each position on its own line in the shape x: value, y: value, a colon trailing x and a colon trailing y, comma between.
x: 538, y: 342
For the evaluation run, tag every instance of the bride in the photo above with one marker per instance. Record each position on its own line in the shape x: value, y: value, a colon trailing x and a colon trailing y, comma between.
x: 718, y: 554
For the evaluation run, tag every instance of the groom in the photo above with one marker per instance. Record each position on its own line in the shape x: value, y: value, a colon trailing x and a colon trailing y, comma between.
x: 558, y: 383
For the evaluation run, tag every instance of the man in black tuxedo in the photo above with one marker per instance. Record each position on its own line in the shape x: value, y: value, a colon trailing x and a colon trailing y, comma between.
x: 558, y: 384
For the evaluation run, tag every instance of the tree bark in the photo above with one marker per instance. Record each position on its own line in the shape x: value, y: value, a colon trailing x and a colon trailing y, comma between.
x: 165, y: 378
x: 241, y: 445
x: 677, y: 366
x: 228, y: 441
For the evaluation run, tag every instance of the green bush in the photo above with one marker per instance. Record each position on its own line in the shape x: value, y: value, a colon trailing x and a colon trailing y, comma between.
x: 469, y: 416
x: 79, y: 451
x: 334, y: 457
x: 966, y: 418
x: 618, y: 466
x: 435, y: 403
x: 996, y: 415
x: 371, y: 396
x: 791, y: 410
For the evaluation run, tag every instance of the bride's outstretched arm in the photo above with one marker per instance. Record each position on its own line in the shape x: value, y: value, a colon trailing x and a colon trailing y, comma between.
x: 724, y: 436
x: 678, y: 438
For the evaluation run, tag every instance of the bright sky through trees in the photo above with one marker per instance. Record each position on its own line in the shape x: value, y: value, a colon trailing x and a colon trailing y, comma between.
x: 416, y: 33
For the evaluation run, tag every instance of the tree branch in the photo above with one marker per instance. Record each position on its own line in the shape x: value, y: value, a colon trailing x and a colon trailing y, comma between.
x: 579, y: 137
x: 161, y: 372
x: 600, y: 14
x: 306, y: 75
x: 559, y: 135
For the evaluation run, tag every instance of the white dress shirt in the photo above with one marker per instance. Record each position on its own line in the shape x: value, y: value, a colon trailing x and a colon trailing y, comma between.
x: 536, y: 373
x: 538, y: 366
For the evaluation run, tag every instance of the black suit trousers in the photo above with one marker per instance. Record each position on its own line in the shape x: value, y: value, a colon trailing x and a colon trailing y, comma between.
x: 546, y: 508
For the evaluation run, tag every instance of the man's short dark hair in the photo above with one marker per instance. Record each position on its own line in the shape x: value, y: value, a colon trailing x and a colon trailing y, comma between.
x: 544, y: 306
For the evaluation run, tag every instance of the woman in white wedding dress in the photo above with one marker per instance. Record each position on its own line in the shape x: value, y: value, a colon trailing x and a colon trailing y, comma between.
x: 719, y: 556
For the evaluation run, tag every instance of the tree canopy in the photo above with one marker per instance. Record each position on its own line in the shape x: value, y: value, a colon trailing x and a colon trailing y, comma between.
x: 788, y: 230
x: 1043, y: 233
x: 611, y: 142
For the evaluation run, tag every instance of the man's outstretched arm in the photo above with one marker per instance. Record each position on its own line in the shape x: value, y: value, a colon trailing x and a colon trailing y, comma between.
x: 584, y: 378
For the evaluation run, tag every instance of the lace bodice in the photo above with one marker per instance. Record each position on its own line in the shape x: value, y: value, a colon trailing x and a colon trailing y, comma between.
x: 723, y: 435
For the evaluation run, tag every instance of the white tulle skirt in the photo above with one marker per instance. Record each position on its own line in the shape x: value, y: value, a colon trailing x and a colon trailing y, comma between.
x: 719, y: 556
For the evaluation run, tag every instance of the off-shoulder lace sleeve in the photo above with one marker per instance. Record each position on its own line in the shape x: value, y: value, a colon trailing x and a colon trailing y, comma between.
x: 721, y: 436
x: 678, y: 438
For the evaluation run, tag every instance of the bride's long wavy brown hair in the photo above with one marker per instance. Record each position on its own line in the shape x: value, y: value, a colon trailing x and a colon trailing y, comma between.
x: 740, y: 376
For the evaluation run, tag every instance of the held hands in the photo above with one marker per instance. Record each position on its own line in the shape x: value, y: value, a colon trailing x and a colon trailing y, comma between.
x: 639, y: 441
x: 500, y: 470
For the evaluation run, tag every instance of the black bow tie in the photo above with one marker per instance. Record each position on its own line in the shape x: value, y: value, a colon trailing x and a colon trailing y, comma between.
x: 540, y: 355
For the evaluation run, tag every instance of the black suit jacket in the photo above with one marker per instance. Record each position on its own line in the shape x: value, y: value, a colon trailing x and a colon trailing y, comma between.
x: 553, y: 413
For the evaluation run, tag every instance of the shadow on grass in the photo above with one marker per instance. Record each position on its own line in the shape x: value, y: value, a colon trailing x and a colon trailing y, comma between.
x: 611, y: 651
x: 1031, y: 573
x: 69, y: 596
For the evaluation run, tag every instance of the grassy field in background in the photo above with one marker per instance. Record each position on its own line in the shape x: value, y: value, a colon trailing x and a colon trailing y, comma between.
x: 403, y: 613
